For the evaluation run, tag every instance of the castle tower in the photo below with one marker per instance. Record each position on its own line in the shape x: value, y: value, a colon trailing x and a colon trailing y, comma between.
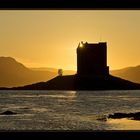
x: 92, y: 59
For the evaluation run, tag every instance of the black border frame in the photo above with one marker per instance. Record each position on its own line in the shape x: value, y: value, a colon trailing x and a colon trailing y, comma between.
x: 70, y: 5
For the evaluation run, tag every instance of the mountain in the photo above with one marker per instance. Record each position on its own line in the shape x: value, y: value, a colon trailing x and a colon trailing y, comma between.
x: 13, y: 73
x: 129, y: 73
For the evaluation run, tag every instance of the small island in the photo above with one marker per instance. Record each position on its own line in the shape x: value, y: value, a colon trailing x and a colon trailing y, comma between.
x: 92, y: 73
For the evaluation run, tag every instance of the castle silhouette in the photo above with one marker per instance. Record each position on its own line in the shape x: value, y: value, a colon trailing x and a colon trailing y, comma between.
x: 92, y: 73
x: 92, y: 59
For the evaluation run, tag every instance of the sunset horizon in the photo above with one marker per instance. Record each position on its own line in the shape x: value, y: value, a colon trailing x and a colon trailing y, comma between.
x: 69, y: 70
x: 49, y: 38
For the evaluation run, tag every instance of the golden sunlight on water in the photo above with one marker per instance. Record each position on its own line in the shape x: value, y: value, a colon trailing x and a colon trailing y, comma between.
x: 124, y: 124
x: 69, y: 95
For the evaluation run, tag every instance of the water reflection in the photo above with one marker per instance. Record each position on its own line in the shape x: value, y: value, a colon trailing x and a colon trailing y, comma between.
x: 69, y: 95
x: 124, y: 124
x: 62, y: 94
x: 68, y: 110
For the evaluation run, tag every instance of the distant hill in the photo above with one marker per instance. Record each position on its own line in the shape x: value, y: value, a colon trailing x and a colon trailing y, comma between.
x: 45, y: 69
x: 65, y: 72
x: 129, y: 73
x: 13, y: 73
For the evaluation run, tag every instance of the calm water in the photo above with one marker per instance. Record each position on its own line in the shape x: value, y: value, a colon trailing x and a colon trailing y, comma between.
x: 67, y: 110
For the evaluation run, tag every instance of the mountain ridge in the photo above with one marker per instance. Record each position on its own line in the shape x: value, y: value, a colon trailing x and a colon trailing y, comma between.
x: 128, y: 73
x: 14, y: 73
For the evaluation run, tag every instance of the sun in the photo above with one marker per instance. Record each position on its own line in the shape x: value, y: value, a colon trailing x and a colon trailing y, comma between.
x: 81, y: 45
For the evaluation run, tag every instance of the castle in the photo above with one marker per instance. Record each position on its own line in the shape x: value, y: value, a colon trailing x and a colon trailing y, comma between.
x: 92, y: 59
x: 92, y: 73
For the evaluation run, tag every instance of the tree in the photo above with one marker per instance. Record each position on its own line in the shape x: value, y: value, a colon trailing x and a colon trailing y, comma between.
x: 60, y: 72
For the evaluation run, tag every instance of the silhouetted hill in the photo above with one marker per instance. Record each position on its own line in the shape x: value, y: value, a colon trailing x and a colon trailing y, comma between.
x: 129, y: 73
x: 74, y: 82
x: 13, y: 73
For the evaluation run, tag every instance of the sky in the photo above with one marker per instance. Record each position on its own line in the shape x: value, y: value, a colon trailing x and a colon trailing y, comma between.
x: 49, y: 38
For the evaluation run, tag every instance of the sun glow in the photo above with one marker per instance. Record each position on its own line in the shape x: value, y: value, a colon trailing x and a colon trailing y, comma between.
x: 40, y: 37
x: 81, y: 45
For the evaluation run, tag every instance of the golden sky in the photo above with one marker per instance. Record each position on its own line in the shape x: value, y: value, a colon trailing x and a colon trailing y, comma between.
x: 49, y: 38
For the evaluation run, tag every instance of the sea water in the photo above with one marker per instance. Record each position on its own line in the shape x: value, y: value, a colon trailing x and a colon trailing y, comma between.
x: 67, y: 110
